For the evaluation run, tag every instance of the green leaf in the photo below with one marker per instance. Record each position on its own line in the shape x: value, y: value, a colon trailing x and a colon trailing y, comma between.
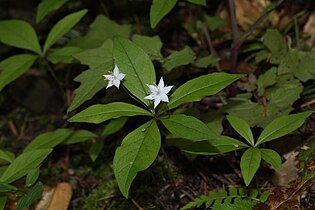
x: 30, y: 196
x: 19, y: 33
x: 63, y: 55
x: 32, y: 177
x: 114, y: 126
x: 13, y: 67
x: 199, y: 2
x: 47, y: 6
x: 23, y: 164
x: 79, y: 136
x: 7, y: 156
x: 95, y: 149
x: 242, y: 127
x: 281, y: 126
x: 277, y: 45
x: 62, y: 27
x: 137, y: 152
x: 250, y: 162
x: 3, y: 200
x: 137, y: 66
x: 49, y: 140
x: 188, y: 127
x: 4, y: 187
x: 179, y: 58
x: 266, y: 80
x: 298, y: 63
x: 205, y: 62
x: 100, y: 60
x: 101, y: 112
x: 196, y: 89
x: 271, y: 157
x: 159, y: 9
x: 151, y: 45
x: 211, y: 147
x: 99, y: 32
x: 215, y: 22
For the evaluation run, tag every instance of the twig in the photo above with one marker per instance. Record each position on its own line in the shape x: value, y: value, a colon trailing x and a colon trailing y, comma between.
x: 210, y: 45
x: 136, y: 204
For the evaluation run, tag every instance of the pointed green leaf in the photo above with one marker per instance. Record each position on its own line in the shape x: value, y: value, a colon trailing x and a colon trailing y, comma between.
x: 7, y: 156
x: 159, y: 9
x: 101, y: 112
x: 47, y: 6
x: 79, y: 136
x: 242, y: 127
x: 151, y: 45
x: 62, y: 27
x: 13, y: 67
x: 277, y: 45
x: 63, y: 55
x: 250, y: 163
x: 196, y: 89
x: 49, y: 140
x: 23, y: 164
x: 3, y: 200
x: 96, y: 149
x: 179, y: 58
x: 271, y: 157
x: 32, y: 177
x: 19, y: 33
x: 137, y: 152
x: 100, y: 61
x: 30, y: 196
x: 199, y: 2
x: 102, y: 29
x: 211, y: 147
x: 4, y: 187
x: 205, y: 62
x: 188, y: 127
x: 137, y: 66
x: 114, y: 126
x: 282, y: 126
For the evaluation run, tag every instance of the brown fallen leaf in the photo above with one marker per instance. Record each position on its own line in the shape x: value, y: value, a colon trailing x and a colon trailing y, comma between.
x: 57, y: 198
x: 289, y: 171
x: 61, y: 197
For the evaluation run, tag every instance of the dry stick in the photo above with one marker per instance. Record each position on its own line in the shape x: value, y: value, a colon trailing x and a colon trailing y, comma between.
x: 136, y: 204
x: 210, y: 45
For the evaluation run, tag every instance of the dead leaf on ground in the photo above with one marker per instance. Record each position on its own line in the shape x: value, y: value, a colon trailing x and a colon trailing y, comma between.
x: 289, y: 171
x: 57, y: 198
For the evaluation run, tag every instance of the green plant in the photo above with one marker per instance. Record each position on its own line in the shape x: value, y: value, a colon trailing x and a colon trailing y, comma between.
x: 11, y: 34
x: 233, y: 198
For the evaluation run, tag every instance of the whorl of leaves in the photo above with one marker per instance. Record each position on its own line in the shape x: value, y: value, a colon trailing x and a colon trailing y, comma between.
x: 241, y: 198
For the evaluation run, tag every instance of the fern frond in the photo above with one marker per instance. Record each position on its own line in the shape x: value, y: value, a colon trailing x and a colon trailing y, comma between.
x: 232, y: 198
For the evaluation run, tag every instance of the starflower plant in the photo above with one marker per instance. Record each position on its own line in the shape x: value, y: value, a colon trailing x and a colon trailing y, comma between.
x: 140, y: 148
x: 158, y: 93
x: 114, y: 78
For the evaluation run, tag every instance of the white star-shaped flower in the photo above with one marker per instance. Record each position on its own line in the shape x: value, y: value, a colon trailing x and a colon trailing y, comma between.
x: 158, y: 93
x: 114, y: 78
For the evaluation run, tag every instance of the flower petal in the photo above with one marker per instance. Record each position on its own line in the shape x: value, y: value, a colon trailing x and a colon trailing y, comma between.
x: 156, y: 102
x: 121, y: 76
x: 167, y: 89
x: 110, y: 83
x: 116, y: 71
x: 153, y: 88
x: 116, y: 82
x: 164, y: 98
x: 161, y: 83
x: 150, y: 97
